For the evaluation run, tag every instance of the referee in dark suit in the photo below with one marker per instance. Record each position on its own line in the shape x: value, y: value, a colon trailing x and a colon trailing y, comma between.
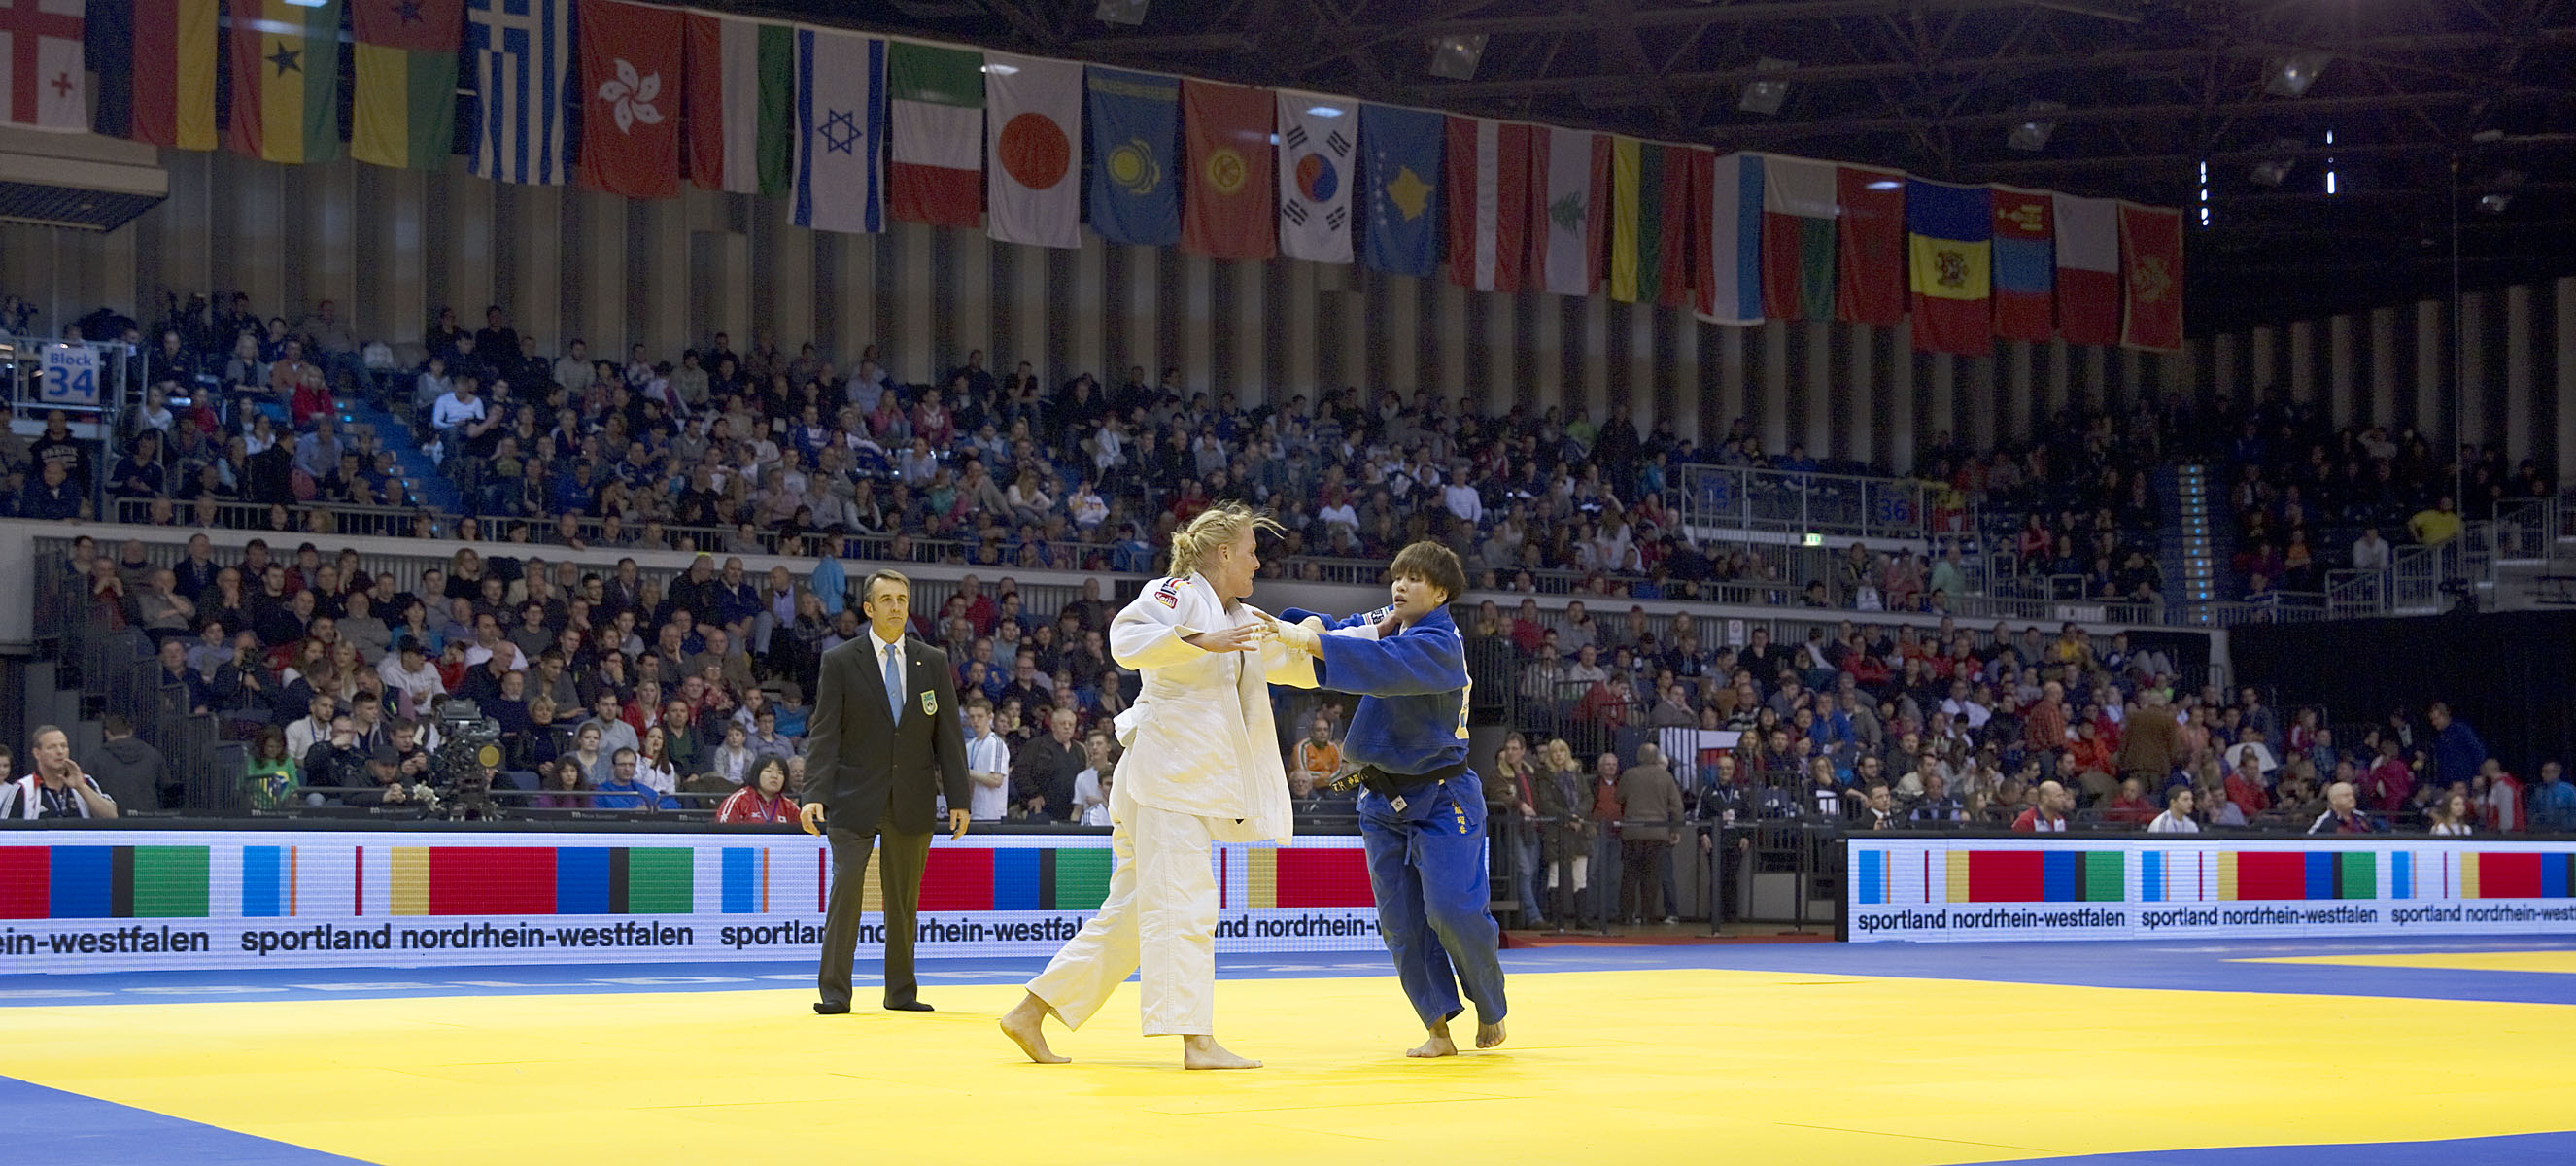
x: 886, y: 744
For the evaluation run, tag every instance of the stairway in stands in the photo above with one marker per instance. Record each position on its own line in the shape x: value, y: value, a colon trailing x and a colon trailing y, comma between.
x: 429, y: 485
x: 2192, y: 550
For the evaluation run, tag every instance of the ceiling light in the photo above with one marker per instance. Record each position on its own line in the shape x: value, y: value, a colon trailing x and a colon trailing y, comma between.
x: 1885, y: 184
x: 1456, y: 57
x: 1000, y: 70
x: 1765, y: 96
x: 1127, y: 12
x: 2032, y: 135
x: 2291, y: 76
x: 1323, y: 111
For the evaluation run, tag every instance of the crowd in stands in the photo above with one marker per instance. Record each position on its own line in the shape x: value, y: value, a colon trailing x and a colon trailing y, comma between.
x: 1882, y: 726
x: 758, y: 450
x: 611, y: 690
x: 2308, y: 498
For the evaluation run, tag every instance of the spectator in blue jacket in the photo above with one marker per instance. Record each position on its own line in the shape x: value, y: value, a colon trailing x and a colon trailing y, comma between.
x: 2457, y: 751
x: 2553, y: 804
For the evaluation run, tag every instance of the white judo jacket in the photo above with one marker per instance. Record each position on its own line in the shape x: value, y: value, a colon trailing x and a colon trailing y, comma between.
x: 1200, y: 738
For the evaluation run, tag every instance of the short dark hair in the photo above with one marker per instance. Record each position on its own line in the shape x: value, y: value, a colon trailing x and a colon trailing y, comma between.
x: 1434, y: 563
x: 115, y: 725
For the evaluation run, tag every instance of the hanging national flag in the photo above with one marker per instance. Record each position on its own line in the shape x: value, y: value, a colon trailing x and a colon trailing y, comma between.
x: 1489, y: 197
x: 404, y: 114
x: 936, y: 100
x: 41, y: 66
x: 522, y: 51
x: 286, y: 81
x: 2088, y: 269
x: 1570, y: 217
x: 1869, y: 250
x: 1402, y: 169
x: 2025, y: 266
x: 1318, y: 161
x: 1636, y: 219
x: 840, y: 131
x: 630, y: 99
x: 1735, y: 240
x: 1797, y: 238
x: 1135, y: 129
x: 1033, y: 140
x: 2151, y: 254
x: 1226, y: 208
x: 166, y: 93
x: 1684, y: 276
x: 742, y: 128
x: 1948, y: 231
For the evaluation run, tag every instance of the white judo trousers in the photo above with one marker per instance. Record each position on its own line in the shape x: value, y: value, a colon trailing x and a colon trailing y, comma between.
x: 1202, y: 767
x: 1170, y: 933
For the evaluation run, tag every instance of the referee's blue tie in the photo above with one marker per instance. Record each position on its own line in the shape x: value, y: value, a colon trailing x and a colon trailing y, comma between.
x: 893, y: 686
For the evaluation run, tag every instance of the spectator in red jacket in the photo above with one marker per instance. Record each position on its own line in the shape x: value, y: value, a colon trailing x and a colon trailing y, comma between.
x: 2048, y: 815
x: 2131, y: 808
x: 763, y: 800
x: 2245, y: 784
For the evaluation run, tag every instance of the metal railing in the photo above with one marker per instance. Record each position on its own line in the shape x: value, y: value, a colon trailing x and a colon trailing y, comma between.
x: 1709, y: 498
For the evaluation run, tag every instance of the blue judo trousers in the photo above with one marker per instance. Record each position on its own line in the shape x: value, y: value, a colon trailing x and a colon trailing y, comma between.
x: 1426, y: 857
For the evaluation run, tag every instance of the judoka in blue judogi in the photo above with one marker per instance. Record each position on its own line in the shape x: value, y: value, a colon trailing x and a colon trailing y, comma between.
x: 1422, y: 809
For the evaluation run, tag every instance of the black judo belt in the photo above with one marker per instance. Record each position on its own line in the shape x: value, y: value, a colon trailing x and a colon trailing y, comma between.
x: 1391, y: 786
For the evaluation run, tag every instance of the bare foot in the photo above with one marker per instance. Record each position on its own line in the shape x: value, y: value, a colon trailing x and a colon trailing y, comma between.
x: 1489, y: 1035
x: 1202, y: 1052
x: 1438, y: 1046
x: 1024, y: 1024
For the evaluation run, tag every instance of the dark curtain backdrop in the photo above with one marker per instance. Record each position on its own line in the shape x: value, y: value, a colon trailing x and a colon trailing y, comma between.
x: 2511, y: 676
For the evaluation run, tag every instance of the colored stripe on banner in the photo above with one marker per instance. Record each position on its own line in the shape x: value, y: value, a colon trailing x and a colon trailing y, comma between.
x: 1016, y: 879
x: 1873, y: 877
x: 2508, y: 875
x: 2356, y: 875
x: 741, y: 881
x: 2401, y: 875
x: 1955, y: 877
x: 2270, y: 875
x: 1335, y: 877
x: 1081, y: 878
x: 2151, y: 877
x: 263, y: 870
x: 957, y: 879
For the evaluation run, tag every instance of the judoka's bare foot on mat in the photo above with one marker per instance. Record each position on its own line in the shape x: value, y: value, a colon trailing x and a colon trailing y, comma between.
x: 1202, y: 1052
x: 1489, y: 1035
x: 1438, y: 1046
x: 1025, y: 1026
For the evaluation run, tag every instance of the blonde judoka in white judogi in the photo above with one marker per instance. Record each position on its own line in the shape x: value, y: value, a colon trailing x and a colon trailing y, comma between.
x: 1202, y: 766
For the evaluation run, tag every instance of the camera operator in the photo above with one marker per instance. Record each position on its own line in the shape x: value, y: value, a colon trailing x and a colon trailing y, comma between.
x: 388, y: 786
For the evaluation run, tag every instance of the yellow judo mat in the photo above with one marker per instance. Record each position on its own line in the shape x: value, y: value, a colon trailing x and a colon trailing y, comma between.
x: 1628, y: 1067
x: 2563, y: 962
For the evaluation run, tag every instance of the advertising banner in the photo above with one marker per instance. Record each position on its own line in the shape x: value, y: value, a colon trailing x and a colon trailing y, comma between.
x: 1949, y: 889
x: 103, y: 902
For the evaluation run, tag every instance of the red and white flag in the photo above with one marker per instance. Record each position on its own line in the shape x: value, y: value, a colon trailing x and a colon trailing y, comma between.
x: 40, y: 64
x: 1489, y: 184
x: 1033, y: 149
x: 630, y: 98
x: 1568, y: 223
x: 2088, y: 270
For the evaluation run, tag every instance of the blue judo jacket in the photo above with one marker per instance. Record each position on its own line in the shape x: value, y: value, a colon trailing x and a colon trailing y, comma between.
x: 1413, y: 712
